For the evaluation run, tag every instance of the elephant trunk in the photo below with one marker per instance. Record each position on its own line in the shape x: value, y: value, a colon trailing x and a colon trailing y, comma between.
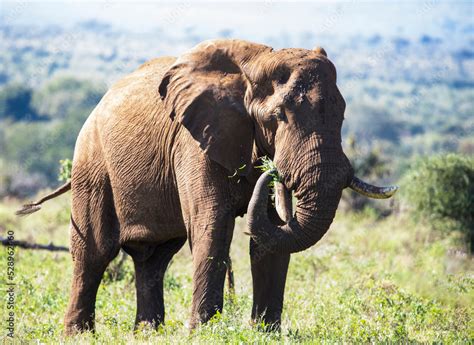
x: 318, y: 188
x: 318, y: 197
x: 311, y: 221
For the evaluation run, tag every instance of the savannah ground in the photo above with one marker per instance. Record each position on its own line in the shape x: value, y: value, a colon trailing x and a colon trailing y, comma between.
x: 370, y: 279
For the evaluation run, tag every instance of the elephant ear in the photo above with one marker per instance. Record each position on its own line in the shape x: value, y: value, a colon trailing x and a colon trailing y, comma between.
x: 320, y: 51
x: 204, y: 90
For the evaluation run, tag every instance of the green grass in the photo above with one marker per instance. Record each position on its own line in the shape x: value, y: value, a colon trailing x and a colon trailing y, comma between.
x: 367, y: 280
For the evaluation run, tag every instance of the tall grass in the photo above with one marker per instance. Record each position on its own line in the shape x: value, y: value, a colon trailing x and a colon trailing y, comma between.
x: 367, y: 280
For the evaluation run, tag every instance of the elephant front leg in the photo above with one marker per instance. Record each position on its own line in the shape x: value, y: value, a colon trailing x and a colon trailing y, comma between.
x: 269, y: 272
x: 269, y: 277
x: 208, y: 203
x: 210, y: 255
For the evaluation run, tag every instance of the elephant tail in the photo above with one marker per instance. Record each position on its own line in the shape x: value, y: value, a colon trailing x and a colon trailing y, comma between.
x: 36, y: 206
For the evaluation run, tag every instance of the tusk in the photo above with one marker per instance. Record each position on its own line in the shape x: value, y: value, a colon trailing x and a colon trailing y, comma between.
x: 283, y: 202
x: 371, y: 191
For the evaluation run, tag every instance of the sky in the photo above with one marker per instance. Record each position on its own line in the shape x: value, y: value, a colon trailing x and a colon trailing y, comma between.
x: 250, y: 19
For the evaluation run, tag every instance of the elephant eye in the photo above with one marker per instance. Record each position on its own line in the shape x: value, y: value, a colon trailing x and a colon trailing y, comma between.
x: 283, y: 77
x: 279, y: 113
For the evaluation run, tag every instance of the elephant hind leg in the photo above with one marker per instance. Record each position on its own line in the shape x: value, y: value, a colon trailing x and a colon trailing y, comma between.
x: 80, y: 315
x: 149, y: 272
x: 94, y: 243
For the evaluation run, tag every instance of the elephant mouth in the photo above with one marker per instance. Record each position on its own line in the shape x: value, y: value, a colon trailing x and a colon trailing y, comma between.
x: 283, y: 199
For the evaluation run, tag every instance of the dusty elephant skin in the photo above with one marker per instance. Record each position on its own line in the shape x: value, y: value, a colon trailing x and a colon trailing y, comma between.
x: 169, y: 154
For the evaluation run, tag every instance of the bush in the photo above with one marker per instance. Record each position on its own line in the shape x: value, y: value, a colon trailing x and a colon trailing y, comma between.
x: 442, y: 188
x: 65, y: 167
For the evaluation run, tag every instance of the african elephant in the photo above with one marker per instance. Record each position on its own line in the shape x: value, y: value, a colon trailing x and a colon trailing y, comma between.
x: 169, y: 154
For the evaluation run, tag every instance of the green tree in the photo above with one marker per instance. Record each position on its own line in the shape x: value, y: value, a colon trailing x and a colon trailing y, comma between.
x: 16, y: 103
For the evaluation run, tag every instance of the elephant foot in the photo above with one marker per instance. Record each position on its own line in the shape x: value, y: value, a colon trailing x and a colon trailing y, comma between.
x: 147, y: 325
x: 72, y: 328
x: 149, y: 320
x: 202, y: 318
x: 266, y: 324
x: 267, y: 327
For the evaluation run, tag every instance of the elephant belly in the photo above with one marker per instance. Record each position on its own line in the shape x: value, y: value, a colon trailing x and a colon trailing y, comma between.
x: 149, y: 215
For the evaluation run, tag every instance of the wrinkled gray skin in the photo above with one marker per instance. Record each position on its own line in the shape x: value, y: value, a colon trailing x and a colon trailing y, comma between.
x: 169, y: 154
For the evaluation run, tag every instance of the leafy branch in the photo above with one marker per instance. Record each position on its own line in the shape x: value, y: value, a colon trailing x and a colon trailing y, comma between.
x: 65, y: 170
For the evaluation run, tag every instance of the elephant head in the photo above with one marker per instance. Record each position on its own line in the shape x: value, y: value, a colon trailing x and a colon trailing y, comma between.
x: 232, y: 94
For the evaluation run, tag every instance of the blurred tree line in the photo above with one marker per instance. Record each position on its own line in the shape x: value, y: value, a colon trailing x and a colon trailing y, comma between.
x: 39, y: 128
x: 386, y: 126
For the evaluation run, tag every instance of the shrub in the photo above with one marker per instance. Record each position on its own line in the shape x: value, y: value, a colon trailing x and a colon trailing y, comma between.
x: 442, y: 188
x: 65, y: 167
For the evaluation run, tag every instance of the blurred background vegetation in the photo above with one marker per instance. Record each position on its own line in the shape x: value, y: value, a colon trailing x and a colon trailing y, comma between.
x: 408, y: 85
x: 39, y: 128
